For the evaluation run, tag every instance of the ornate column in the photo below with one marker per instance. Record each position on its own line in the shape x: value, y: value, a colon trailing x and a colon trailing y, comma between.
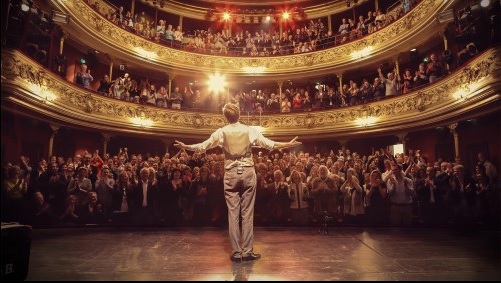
x: 340, y: 76
x: 402, y: 138
x: 106, y: 138
x: 452, y: 128
x: 446, y: 46
x: 111, y: 71
x: 343, y: 144
x: 132, y: 8
x: 329, y: 23
x: 167, y: 143
x: 51, y: 138
x: 397, y: 66
x: 171, y: 77
x: 61, y: 42
x: 280, y: 84
x: 61, y: 46
x: 181, y: 22
x: 281, y: 29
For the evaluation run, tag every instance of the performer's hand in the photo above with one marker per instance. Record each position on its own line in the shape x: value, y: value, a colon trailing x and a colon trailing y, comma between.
x: 179, y: 144
x: 293, y: 142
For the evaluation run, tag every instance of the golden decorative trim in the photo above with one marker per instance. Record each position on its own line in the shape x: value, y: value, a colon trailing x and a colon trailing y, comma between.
x: 395, y: 34
x: 94, y: 110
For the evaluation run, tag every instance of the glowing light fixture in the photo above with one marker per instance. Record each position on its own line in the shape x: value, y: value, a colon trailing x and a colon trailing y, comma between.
x: 254, y: 69
x: 42, y: 93
x: 226, y: 16
x: 485, y: 3
x: 365, y: 121
x: 362, y: 53
x: 216, y: 83
x: 286, y: 15
x: 145, y: 54
x: 142, y: 122
x: 25, y: 7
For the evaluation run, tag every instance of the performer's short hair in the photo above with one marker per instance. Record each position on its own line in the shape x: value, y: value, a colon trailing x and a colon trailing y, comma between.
x: 231, y: 112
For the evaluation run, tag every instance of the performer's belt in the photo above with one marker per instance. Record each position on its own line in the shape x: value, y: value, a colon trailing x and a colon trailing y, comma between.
x: 228, y: 156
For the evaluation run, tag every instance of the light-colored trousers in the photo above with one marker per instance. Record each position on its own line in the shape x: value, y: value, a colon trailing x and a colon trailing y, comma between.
x: 240, y: 195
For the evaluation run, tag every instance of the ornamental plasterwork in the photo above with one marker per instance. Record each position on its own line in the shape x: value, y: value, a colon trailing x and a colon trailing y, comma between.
x: 90, y: 106
x: 112, y: 35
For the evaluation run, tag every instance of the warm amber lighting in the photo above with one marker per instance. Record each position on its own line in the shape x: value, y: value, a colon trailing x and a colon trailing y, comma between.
x: 286, y: 15
x: 145, y: 54
x: 42, y: 93
x: 216, y: 83
x: 366, y: 121
x: 226, y: 16
x: 460, y: 94
x: 254, y: 70
x: 142, y: 122
x: 362, y: 53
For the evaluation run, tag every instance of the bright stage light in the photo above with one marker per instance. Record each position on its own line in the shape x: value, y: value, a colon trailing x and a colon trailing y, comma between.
x: 286, y: 15
x: 216, y: 83
x: 226, y: 16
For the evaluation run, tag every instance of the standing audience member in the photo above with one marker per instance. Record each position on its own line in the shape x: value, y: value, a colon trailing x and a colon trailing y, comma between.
x: 299, y: 195
x: 83, y: 77
x: 376, y: 199
x: 14, y: 189
x: 401, y: 194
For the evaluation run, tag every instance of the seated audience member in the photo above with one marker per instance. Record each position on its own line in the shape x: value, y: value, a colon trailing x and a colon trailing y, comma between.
x: 40, y: 212
x: 69, y: 215
x: 92, y: 211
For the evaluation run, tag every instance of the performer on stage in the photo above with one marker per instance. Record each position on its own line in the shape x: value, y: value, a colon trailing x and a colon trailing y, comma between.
x: 236, y: 140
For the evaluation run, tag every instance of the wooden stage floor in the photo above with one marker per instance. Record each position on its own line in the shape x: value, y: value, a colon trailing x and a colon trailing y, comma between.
x: 288, y: 254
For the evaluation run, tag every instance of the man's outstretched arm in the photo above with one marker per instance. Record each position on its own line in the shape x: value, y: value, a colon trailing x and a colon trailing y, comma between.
x: 292, y: 143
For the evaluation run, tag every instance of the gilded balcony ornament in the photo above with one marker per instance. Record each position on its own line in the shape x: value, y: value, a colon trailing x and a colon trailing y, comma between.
x: 309, y: 121
x: 89, y: 103
x: 420, y: 101
x: 84, y: 106
x: 198, y: 121
x: 112, y: 34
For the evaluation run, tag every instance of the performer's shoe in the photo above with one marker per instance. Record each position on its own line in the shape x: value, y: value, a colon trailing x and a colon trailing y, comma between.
x: 251, y: 256
x: 236, y: 258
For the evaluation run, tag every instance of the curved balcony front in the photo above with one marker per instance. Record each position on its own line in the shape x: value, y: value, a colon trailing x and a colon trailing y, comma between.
x: 472, y: 90
x: 417, y: 26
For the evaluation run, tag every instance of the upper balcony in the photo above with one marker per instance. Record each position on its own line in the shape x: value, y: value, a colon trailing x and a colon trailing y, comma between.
x: 416, y: 27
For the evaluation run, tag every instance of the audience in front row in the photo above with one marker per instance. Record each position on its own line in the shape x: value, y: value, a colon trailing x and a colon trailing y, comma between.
x: 294, y: 188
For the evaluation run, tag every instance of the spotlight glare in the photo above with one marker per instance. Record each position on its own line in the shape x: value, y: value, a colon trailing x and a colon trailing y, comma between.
x: 286, y: 15
x: 226, y: 16
x: 217, y: 83
x: 485, y: 3
x: 25, y: 7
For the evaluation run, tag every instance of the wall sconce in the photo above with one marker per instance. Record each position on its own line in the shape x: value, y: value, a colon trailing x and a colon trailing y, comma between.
x: 142, y: 121
x: 366, y: 51
x: 460, y: 94
x: 463, y: 92
x: 59, y: 17
x: 41, y: 92
x: 254, y: 70
x: 365, y: 122
x: 145, y: 54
